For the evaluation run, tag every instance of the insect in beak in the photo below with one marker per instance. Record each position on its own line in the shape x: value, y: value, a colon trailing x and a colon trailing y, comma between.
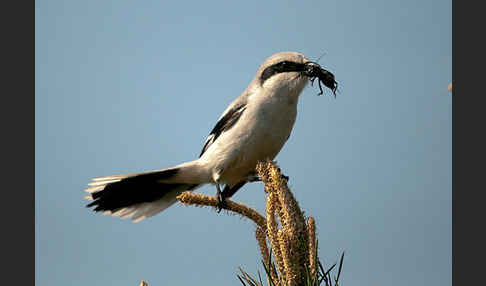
x: 313, y: 70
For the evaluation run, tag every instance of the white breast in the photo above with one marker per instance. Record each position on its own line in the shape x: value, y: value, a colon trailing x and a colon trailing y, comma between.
x: 259, y: 134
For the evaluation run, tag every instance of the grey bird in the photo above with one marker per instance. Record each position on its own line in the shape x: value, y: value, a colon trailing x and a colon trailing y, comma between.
x: 253, y: 128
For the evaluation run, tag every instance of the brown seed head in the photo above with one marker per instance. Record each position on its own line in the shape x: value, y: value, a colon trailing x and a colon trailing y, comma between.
x: 311, y: 233
x: 201, y: 200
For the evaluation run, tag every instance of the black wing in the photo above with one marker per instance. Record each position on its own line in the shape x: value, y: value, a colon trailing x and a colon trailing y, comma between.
x: 224, y: 124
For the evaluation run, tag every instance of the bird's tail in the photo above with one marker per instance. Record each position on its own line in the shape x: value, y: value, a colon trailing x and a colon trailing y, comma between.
x: 142, y: 195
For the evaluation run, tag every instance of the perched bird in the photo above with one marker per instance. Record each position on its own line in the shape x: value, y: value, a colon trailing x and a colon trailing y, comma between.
x: 253, y: 128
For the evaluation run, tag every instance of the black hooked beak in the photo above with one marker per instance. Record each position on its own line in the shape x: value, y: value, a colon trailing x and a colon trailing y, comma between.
x: 313, y: 70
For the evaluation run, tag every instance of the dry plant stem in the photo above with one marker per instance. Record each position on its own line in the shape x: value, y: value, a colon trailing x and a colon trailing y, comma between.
x: 311, y: 233
x: 293, y: 245
x: 262, y: 170
x: 262, y: 243
x: 290, y: 275
x: 290, y: 215
x: 261, y: 238
x: 291, y: 233
x: 189, y: 198
x: 291, y: 210
x: 272, y: 229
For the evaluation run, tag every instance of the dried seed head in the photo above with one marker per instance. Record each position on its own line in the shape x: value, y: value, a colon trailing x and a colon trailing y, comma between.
x: 189, y: 198
x: 290, y: 273
x: 262, y: 243
x: 293, y: 232
x: 261, y: 238
x: 311, y: 234
x: 293, y: 245
x: 272, y: 230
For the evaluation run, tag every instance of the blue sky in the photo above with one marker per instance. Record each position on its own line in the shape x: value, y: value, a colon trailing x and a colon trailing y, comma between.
x: 129, y: 86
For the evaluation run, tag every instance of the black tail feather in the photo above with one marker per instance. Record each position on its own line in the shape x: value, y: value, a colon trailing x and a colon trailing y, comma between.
x: 133, y: 190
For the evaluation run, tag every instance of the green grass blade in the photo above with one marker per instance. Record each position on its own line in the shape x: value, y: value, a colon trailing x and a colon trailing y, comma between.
x: 269, y: 276
x: 241, y: 280
x: 260, y: 278
x: 329, y: 270
x: 340, y: 268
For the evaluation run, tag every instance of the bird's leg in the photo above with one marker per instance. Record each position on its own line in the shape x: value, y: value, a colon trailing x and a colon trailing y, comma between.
x: 229, y: 192
x: 220, y: 198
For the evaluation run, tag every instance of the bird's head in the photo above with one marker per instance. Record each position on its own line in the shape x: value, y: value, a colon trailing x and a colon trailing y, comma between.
x: 291, y: 71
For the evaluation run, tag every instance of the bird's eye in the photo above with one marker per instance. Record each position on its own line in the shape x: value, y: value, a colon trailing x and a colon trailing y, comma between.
x: 285, y: 65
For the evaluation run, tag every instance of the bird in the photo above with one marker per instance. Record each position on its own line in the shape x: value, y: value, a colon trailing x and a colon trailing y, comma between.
x: 253, y: 128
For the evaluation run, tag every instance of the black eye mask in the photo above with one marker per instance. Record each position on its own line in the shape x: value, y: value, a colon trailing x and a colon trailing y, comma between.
x: 284, y: 66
